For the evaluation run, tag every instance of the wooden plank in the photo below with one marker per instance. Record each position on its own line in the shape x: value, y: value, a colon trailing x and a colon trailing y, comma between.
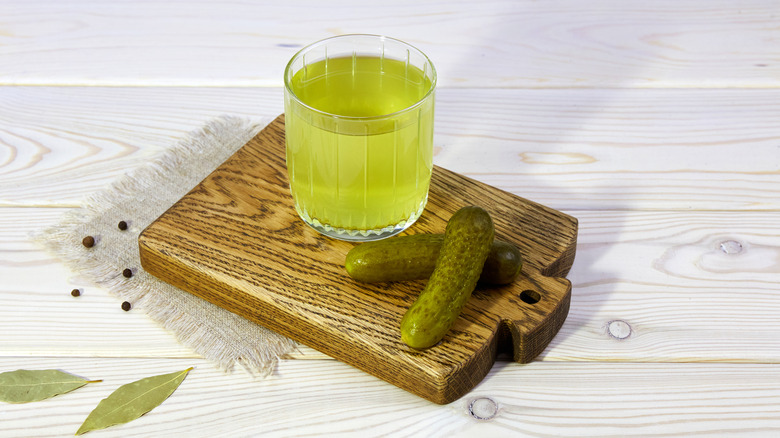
x: 38, y: 315
x: 493, y: 44
x: 569, y: 149
x: 698, y: 286
x: 618, y: 149
x: 50, y: 147
x: 330, y: 398
x: 684, y: 286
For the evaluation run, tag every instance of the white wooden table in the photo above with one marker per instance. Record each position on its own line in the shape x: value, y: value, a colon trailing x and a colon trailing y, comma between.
x: 657, y: 124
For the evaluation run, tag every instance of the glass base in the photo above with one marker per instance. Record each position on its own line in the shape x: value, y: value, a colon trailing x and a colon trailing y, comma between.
x: 352, y: 235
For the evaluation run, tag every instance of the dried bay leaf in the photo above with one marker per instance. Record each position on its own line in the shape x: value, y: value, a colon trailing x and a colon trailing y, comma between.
x: 24, y: 386
x: 132, y: 400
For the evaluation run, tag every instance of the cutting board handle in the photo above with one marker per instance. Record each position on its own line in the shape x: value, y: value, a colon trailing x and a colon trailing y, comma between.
x: 538, y: 315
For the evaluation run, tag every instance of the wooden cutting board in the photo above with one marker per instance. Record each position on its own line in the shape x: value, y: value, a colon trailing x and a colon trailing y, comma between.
x: 236, y: 241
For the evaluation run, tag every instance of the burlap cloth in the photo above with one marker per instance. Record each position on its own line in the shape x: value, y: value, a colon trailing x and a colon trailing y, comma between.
x: 138, y: 198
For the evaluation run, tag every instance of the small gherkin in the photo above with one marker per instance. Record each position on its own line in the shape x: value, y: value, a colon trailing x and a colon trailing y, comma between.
x: 466, y: 244
x: 413, y: 257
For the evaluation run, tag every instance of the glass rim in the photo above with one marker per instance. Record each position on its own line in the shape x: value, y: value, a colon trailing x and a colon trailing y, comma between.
x: 321, y: 42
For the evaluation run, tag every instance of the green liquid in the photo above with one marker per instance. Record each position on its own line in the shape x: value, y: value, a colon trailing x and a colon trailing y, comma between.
x: 359, y: 174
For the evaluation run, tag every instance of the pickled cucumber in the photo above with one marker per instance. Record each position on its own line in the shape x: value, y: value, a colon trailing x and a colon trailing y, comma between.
x: 502, y: 265
x: 466, y: 244
x: 413, y: 257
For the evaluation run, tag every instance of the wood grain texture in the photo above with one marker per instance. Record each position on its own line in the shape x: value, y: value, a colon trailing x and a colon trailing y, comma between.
x: 487, y: 44
x: 659, y: 178
x: 235, y: 240
x: 38, y: 315
x: 568, y: 149
x: 692, y: 287
x: 684, y: 298
x: 327, y: 397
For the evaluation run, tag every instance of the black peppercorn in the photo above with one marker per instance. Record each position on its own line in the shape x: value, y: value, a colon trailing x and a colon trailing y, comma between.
x: 88, y: 241
x: 127, y: 273
x: 75, y: 292
x: 126, y: 306
x: 122, y: 225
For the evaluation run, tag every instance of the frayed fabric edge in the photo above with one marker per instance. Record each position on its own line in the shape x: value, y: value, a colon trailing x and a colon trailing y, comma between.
x: 214, y: 333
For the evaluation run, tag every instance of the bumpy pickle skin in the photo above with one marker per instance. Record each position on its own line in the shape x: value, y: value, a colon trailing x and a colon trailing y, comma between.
x: 503, y: 264
x: 413, y: 257
x: 400, y: 258
x: 466, y: 244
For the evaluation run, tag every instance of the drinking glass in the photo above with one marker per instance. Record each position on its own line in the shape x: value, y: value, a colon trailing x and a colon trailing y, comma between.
x: 359, y: 133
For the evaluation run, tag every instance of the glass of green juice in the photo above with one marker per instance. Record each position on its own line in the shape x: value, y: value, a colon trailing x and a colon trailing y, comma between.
x: 359, y: 133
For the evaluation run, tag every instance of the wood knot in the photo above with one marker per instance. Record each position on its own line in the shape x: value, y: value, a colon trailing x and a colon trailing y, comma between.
x: 731, y: 247
x: 483, y: 408
x: 618, y: 329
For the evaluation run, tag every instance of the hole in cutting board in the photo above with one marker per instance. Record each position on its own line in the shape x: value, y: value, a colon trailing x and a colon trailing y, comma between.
x: 529, y: 296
